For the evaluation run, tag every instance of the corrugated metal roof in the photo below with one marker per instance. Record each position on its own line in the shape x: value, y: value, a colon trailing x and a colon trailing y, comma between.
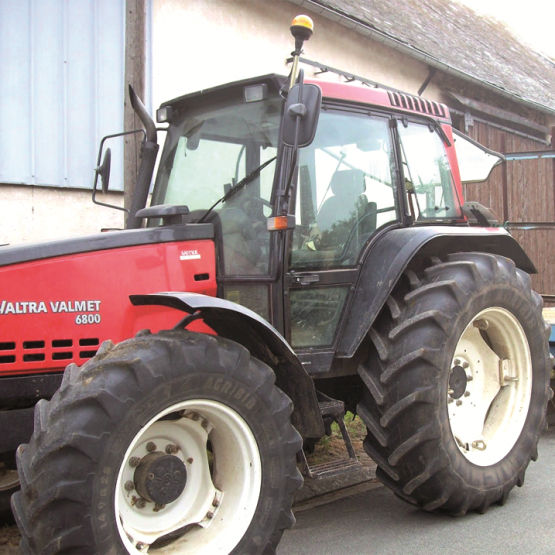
x: 451, y: 36
x: 61, y: 89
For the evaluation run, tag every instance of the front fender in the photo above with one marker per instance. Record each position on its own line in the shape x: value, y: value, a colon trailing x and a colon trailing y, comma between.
x: 388, y: 258
x: 264, y: 342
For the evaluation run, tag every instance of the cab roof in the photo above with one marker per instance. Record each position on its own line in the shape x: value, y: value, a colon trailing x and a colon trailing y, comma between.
x: 350, y: 92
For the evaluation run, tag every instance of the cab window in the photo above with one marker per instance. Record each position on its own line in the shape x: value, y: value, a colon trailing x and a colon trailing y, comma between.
x: 429, y: 185
x: 345, y: 190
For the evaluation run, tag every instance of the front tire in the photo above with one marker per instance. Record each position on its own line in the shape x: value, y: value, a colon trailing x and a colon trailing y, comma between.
x: 457, y: 384
x: 170, y: 443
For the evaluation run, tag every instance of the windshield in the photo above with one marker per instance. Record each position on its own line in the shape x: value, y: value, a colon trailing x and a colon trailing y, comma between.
x: 208, y: 151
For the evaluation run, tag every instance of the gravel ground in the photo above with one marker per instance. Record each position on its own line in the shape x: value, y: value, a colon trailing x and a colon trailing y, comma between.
x: 9, y: 539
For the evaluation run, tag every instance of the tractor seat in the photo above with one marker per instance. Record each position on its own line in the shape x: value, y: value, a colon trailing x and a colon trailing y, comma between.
x: 348, y: 201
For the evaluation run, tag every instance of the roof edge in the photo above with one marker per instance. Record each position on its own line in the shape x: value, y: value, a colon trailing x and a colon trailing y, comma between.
x: 367, y: 30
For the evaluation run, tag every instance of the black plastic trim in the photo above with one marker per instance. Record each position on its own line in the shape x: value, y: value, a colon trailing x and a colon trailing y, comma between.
x: 104, y: 241
x: 16, y: 427
x: 247, y: 328
x: 28, y: 389
x: 391, y: 254
x: 207, y: 96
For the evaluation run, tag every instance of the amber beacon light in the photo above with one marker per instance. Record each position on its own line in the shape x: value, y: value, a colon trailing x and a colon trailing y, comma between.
x: 302, y: 29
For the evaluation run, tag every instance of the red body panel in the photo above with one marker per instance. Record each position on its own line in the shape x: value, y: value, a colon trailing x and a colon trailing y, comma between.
x: 59, y: 310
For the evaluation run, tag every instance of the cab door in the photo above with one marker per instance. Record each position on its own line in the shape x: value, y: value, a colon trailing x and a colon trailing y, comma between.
x: 345, y: 193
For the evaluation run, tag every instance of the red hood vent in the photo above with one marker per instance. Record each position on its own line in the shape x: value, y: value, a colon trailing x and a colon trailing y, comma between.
x: 416, y: 104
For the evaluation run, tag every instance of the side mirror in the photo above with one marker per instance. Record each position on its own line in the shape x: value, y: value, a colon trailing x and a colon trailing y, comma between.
x: 300, y: 118
x: 104, y: 171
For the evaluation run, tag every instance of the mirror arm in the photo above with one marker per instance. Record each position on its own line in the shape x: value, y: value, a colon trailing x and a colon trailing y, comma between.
x: 98, y: 164
x: 299, y: 110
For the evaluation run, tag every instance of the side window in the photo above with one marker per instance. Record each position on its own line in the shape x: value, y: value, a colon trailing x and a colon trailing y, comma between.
x: 428, y: 180
x: 345, y: 190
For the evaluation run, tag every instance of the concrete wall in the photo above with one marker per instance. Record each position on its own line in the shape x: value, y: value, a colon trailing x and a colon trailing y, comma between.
x: 29, y: 213
x: 203, y: 43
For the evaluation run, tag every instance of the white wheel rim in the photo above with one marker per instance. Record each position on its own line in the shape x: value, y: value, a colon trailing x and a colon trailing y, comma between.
x: 488, y: 405
x: 8, y: 478
x: 217, y: 507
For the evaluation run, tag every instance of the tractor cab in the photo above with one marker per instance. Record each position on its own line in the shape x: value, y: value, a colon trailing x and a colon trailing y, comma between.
x: 370, y: 167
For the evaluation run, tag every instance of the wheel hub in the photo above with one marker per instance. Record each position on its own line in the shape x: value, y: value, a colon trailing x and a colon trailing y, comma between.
x: 457, y: 382
x: 160, y: 478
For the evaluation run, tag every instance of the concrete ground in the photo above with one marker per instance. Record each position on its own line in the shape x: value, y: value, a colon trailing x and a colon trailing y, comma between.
x: 371, y: 520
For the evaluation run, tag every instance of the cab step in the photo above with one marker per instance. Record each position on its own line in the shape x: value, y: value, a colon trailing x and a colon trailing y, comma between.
x: 331, y: 410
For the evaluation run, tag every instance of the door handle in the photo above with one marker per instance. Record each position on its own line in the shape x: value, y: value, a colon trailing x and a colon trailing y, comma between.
x: 306, y: 279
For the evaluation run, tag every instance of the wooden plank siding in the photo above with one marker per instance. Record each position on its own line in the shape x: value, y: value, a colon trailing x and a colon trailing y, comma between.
x: 521, y: 190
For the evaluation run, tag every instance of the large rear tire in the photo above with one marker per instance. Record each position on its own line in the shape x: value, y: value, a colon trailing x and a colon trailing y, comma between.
x: 169, y: 443
x: 457, y: 384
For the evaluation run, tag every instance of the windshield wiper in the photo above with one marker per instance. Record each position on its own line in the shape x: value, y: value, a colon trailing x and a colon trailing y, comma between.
x: 243, y: 183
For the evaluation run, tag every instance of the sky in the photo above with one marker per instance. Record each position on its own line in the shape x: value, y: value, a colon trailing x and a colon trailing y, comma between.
x: 533, y: 20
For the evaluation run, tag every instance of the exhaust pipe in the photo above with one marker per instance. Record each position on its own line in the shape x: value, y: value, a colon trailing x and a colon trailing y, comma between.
x: 148, y: 161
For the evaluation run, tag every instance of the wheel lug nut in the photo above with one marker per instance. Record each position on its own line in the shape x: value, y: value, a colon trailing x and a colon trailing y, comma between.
x: 215, y: 503
x: 209, y: 515
x: 171, y: 449
x: 450, y: 400
x: 141, y: 546
x: 205, y: 423
x: 196, y: 417
x: 469, y: 378
x: 134, y: 461
x: 450, y: 391
x: 480, y: 444
x: 158, y: 507
x: 481, y: 324
x: 140, y: 503
x: 459, y: 402
x: 467, y: 393
x: 129, y: 486
x: 457, y: 362
x: 151, y: 446
x: 465, y: 364
x: 190, y: 460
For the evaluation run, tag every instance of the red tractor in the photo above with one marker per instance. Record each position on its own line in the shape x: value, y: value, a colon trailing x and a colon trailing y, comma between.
x: 306, y: 252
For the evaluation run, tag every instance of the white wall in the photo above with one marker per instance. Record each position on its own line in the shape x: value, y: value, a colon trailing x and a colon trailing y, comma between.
x: 29, y: 213
x: 203, y: 43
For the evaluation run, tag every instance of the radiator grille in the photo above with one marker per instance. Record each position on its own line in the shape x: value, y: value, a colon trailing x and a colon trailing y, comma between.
x: 39, y: 350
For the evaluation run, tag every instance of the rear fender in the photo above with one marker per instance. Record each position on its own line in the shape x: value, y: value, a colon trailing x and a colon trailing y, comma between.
x: 388, y: 258
x: 264, y: 342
